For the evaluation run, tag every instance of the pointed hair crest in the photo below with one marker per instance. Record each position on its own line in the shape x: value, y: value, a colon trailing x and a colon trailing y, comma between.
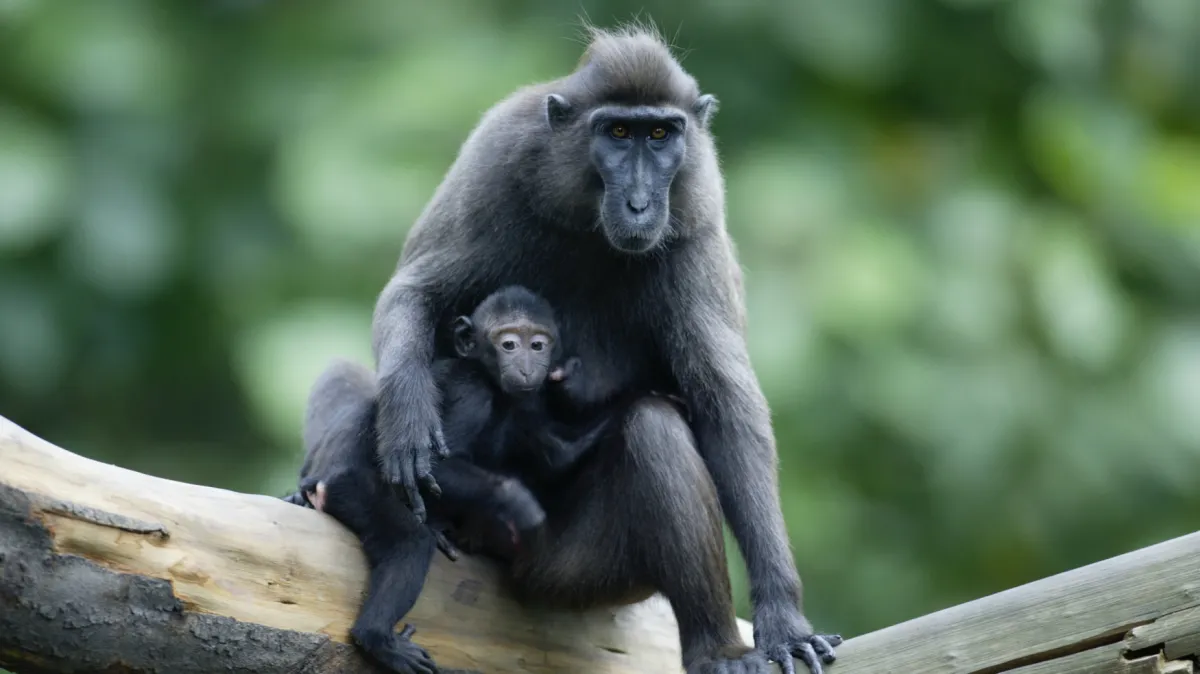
x: 634, y: 65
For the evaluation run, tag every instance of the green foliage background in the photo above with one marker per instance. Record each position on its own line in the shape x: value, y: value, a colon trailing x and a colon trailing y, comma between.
x: 971, y: 231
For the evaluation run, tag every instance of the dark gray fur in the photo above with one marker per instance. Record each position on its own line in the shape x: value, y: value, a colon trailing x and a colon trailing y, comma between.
x: 648, y: 303
x: 340, y: 472
x: 497, y: 422
x: 501, y: 435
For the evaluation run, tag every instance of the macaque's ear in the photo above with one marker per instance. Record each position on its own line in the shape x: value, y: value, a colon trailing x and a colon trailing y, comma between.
x: 558, y: 111
x: 705, y: 108
x: 464, y: 337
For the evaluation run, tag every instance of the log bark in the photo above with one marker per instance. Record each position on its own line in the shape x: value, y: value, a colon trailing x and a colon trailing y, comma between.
x: 107, y: 570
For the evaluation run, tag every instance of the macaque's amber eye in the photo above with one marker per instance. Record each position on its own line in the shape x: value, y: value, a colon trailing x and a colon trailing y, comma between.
x: 538, y: 346
x: 508, y: 345
x: 619, y: 131
x: 658, y: 133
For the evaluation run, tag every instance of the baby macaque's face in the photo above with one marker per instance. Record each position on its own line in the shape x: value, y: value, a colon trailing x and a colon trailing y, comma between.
x: 522, y: 352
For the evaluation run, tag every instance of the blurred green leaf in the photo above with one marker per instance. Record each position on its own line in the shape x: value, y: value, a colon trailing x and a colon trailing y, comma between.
x: 33, y: 348
x: 279, y: 358
x: 1084, y: 316
x: 1062, y: 37
x: 1170, y: 180
x: 783, y: 343
x: 103, y: 57
x: 1171, y: 377
x: 126, y: 241
x: 35, y: 181
x: 853, y: 40
x: 1087, y: 147
x: 869, y: 281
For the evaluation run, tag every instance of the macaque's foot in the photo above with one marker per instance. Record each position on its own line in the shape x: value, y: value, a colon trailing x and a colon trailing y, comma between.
x: 487, y: 536
x: 398, y: 652
x: 517, y: 507
x: 317, y: 496
x: 812, y: 651
x: 297, y: 498
x: 732, y: 660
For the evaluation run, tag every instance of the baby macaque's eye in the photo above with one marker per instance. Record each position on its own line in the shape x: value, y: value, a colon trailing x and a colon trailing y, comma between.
x: 508, y: 345
x: 538, y: 346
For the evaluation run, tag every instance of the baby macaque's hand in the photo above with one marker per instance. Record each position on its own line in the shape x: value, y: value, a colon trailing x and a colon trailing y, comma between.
x: 566, y: 370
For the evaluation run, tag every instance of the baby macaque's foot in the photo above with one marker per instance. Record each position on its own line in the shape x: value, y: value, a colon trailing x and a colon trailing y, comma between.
x: 446, y: 545
x: 316, y: 496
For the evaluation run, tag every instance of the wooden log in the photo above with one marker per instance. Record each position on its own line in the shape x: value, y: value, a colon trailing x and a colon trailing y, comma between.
x: 103, y: 568
x: 1136, y: 613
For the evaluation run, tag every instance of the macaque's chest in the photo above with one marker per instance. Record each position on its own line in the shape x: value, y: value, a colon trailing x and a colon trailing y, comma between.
x: 617, y: 352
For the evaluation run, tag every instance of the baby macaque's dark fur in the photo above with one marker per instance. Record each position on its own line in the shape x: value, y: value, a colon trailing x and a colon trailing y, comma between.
x: 499, y: 432
x: 496, y: 415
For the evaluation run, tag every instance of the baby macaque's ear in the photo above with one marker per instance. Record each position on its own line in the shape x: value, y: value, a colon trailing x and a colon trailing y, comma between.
x: 464, y: 337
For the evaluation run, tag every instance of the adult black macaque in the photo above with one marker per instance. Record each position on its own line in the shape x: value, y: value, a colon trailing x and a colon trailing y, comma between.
x: 601, y: 192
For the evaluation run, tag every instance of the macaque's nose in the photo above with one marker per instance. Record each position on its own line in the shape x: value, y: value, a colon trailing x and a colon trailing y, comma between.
x: 638, y: 203
x: 525, y: 369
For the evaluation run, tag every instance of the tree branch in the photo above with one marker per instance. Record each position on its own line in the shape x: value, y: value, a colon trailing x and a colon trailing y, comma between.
x: 1138, y: 613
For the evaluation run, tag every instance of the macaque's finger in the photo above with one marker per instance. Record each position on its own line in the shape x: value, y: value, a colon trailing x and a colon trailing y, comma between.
x: 425, y: 476
x: 824, y: 644
x: 412, y: 495
x: 439, y: 444
x: 809, y: 657
x: 430, y: 484
x: 782, y: 657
